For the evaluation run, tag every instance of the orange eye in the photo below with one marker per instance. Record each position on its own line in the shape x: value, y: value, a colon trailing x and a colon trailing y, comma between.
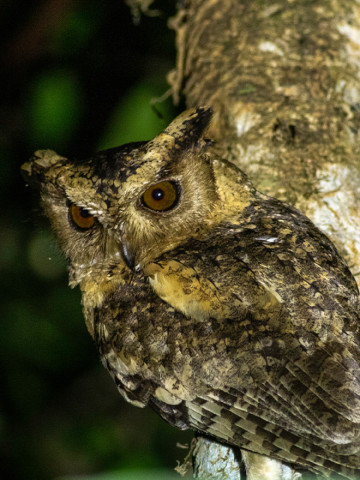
x: 81, y: 217
x: 161, y: 197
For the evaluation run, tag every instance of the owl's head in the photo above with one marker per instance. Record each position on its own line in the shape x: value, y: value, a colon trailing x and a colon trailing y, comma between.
x: 130, y: 204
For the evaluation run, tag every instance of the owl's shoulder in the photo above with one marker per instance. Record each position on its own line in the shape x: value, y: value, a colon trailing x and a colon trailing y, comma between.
x: 270, y: 261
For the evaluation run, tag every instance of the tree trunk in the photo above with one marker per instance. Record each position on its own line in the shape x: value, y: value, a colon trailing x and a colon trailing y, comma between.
x: 283, y: 79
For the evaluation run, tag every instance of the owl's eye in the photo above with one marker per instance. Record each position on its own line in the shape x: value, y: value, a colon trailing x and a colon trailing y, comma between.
x: 81, y: 217
x: 162, y: 196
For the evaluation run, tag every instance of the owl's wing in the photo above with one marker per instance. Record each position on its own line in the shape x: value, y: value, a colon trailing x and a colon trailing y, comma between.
x: 282, y: 377
x: 246, y: 424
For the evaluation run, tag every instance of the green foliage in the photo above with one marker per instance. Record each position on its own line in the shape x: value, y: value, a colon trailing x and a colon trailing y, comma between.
x: 134, y: 119
x: 43, y: 256
x: 75, y: 31
x: 132, y: 475
x: 54, y: 108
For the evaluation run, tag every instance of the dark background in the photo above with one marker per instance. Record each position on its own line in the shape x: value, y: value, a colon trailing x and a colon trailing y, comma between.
x: 77, y: 76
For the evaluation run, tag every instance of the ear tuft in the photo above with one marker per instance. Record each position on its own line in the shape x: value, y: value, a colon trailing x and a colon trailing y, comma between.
x: 188, y: 128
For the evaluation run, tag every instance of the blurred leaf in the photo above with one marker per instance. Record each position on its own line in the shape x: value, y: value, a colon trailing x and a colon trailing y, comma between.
x: 77, y: 28
x: 54, y: 108
x: 44, y: 257
x: 10, y: 247
x: 131, y: 475
x: 32, y: 338
x: 20, y: 380
x: 40, y: 330
x: 5, y: 166
x: 134, y: 118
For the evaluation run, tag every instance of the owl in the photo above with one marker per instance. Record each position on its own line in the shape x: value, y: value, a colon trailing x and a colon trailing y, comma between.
x: 225, y: 310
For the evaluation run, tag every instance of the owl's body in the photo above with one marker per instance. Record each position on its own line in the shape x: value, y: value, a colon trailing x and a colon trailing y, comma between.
x: 225, y: 310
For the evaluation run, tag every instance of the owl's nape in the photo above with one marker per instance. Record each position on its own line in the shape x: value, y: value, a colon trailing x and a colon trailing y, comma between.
x: 225, y: 310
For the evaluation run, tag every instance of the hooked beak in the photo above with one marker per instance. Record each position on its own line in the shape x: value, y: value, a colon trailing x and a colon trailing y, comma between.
x: 127, y: 255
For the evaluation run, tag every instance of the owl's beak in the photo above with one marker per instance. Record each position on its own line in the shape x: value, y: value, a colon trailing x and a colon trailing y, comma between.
x: 128, y: 257
x: 33, y: 170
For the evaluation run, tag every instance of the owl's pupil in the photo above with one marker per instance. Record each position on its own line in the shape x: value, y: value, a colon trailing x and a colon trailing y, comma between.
x: 84, y: 213
x: 157, y: 194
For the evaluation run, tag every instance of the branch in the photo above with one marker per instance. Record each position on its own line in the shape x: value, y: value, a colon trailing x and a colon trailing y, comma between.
x: 285, y: 85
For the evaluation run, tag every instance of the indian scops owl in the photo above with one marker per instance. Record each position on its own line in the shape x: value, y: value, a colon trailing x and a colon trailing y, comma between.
x: 225, y: 310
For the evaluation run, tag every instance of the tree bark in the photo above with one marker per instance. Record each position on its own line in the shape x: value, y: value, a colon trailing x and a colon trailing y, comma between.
x: 283, y: 79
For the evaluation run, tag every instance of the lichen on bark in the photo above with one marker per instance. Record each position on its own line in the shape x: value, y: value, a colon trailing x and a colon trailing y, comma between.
x: 283, y: 79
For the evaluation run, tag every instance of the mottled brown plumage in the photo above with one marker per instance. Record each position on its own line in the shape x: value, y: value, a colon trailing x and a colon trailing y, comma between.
x: 227, y: 312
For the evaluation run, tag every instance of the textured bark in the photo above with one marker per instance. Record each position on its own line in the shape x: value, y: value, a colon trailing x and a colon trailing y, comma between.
x: 214, y: 461
x: 283, y: 79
